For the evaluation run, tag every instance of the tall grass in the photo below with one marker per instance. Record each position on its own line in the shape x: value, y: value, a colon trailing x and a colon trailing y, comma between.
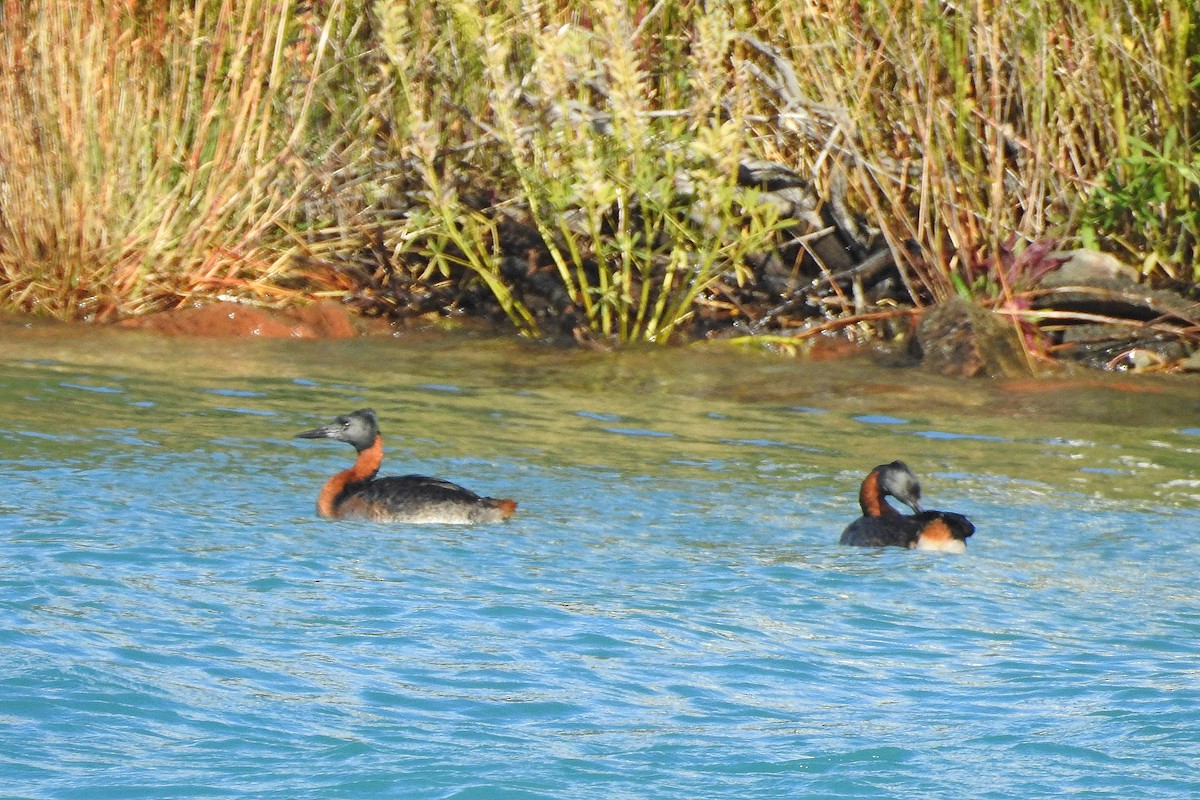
x: 148, y: 151
x: 154, y: 152
x: 971, y: 127
x: 637, y: 207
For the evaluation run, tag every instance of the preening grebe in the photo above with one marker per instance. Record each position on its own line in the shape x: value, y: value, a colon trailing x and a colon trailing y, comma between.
x: 356, y: 492
x: 883, y: 526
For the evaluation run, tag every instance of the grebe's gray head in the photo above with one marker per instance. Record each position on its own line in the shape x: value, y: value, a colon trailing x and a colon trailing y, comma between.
x: 358, y: 428
x: 897, y: 480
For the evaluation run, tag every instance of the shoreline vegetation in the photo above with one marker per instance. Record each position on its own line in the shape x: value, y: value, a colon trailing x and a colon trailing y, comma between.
x: 614, y: 173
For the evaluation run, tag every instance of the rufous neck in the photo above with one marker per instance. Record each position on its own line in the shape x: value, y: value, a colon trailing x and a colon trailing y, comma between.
x: 368, y: 461
x: 365, y: 467
x: 870, y: 498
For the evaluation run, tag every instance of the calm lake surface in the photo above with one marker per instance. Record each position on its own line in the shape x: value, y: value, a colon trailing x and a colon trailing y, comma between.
x: 667, y: 616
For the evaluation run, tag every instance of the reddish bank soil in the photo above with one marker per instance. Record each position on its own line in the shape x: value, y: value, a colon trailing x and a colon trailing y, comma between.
x: 324, y: 319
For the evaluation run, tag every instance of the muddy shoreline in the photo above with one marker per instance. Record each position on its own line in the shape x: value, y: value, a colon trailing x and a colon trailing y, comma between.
x: 953, y: 339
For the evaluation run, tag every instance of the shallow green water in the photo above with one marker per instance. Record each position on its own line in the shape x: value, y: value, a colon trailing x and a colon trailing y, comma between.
x: 667, y: 616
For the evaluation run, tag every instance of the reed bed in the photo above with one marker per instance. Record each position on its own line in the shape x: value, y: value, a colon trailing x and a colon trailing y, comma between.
x: 155, y: 153
x: 151, y: 152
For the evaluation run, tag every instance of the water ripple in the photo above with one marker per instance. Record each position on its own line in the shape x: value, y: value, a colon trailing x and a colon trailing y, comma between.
x: 668, y: 615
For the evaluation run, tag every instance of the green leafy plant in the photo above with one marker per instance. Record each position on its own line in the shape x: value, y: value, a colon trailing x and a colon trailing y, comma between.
x: 639, y: 213
x: 1149, y: 205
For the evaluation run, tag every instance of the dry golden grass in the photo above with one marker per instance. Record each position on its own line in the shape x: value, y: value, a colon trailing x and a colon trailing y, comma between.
x: 148, y: 154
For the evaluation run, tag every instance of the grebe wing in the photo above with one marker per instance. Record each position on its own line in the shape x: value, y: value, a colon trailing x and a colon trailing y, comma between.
x: 414, y: 487
x: 890, y: 531
x: 417, y: 498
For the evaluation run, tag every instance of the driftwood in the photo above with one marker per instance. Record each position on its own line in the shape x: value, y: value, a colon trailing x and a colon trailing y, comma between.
x: 1094, y: 311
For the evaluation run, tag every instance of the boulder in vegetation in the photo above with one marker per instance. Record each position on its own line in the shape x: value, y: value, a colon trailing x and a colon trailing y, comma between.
x: 959, y: 339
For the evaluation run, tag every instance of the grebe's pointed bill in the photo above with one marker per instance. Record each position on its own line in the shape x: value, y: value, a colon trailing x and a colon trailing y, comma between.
x: 329, y: 431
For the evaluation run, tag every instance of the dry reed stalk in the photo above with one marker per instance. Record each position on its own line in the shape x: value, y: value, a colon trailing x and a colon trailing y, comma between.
x: 145, y: 150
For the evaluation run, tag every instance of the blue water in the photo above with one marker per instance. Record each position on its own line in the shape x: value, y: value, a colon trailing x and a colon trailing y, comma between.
x: 668, y: 615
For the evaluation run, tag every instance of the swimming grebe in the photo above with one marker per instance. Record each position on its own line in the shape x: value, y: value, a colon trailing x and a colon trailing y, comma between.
x: 883, y: 526
x: 356, y: 492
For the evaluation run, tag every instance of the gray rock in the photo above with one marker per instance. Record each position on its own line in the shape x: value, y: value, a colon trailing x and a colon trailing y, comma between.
x: 957, y: 338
